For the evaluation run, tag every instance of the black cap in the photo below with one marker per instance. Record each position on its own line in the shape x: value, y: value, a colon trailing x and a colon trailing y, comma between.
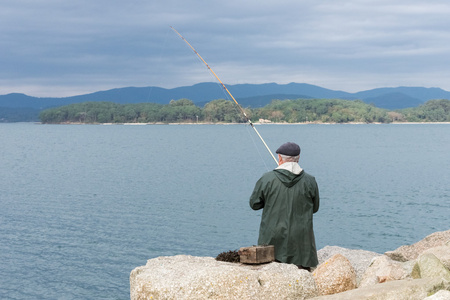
x: 289, y: 149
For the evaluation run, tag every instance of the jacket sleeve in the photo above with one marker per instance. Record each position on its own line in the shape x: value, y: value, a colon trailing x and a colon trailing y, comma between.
x: 316, y: 199
x: 257, y: 197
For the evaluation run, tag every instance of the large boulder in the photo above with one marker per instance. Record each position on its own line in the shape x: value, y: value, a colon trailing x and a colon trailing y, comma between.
x: 429, y: 266
x: 189, y: 277
x: 335, y: 275
x: 381, y: 270
x: 360, y: 259
x: 441, y: 252
x: 411, y: 252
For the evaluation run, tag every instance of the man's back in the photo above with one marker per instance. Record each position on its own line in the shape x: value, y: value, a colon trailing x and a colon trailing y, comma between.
x: 288, y: 201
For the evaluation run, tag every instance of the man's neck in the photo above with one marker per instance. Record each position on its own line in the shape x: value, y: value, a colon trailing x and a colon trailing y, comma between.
x: 292, y: 167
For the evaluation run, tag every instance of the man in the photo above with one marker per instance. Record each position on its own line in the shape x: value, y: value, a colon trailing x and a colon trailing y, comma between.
x: 289, y: 197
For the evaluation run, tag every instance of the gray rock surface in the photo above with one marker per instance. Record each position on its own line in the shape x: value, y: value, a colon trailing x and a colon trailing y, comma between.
x: 441, y: 295
x: 411, y: 252
x: 381, y: 270
x: 441, y: 252
x: 425, y: 268
x: 189, y: 277
x: 430, y: 267
x: 416, y: 289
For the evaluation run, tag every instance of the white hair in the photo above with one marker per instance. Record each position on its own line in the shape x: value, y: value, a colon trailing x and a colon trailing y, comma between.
x: 287, y: 158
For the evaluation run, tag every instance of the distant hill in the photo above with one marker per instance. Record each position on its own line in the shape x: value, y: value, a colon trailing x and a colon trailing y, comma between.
x: 8, y: 114
x: 248, y: 95
x: 393, y: 101
x: 198, y: 93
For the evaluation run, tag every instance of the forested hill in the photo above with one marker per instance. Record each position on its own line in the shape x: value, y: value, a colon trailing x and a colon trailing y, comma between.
x: 19, y: 107
x: 249, y: 95
x: 225, y: 111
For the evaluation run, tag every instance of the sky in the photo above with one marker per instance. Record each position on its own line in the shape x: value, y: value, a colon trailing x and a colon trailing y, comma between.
x: 57, y: 48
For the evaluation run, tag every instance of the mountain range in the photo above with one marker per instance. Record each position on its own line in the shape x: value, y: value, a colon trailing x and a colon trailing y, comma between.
x: 248, y: 95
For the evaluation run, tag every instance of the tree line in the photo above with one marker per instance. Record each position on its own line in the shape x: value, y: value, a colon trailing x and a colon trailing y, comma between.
x: 225, y: 111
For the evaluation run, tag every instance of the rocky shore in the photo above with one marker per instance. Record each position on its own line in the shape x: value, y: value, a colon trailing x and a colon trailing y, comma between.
x: 417, y: 271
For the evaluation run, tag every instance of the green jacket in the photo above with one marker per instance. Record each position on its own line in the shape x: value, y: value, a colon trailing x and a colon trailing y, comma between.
x: 288, y: 201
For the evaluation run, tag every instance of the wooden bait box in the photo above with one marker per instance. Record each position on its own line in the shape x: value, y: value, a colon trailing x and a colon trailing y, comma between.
x: 257, y: 254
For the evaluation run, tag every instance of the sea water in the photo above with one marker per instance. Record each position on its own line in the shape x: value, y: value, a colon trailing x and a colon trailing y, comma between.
x: 83, y: 205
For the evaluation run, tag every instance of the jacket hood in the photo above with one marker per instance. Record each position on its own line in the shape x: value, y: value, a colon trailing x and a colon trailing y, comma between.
x: 288, y: 178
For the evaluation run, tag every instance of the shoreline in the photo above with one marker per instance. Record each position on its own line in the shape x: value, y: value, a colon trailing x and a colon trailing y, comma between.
x: 255, y: 123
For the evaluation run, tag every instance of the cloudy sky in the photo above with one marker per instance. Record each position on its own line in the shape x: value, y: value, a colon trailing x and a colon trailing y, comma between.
x: 63, y: 48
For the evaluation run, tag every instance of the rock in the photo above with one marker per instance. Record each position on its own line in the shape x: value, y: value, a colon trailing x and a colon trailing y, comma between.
x: 383, y: 269
x: 441, y: 295
x: 441, y: 252
x: 407, y: 289
x: 335, y: 275
x: 430, y: 267
x: 412, y: 272
x: 411, y: 252
x: 285, y: 281
x: 360, y: 259
x: 189, y: 277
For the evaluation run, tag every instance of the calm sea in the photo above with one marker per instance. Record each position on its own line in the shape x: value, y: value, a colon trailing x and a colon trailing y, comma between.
x: 83, y: 205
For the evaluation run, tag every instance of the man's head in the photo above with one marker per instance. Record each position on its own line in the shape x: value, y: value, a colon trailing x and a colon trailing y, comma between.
x: 289, y: 149
x: 288, y: 152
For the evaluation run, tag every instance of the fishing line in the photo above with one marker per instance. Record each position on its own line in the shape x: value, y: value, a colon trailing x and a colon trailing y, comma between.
x: 226, y: 97
x: 257, y: 148
x: 226, y: 89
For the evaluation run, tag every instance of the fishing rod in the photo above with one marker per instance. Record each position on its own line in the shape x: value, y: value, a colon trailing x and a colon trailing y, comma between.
x: 226, y: 89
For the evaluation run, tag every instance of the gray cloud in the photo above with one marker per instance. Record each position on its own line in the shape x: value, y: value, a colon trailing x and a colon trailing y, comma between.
x: 62, y: 48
